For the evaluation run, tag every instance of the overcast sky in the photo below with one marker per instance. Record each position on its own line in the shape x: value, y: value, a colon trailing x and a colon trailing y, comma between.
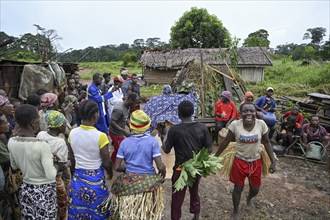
x: 99, y: 23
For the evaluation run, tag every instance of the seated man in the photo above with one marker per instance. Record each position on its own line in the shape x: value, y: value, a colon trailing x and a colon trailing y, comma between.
x: 290, y: 132
x: 295, y: 112
x: 313, y: 131
x: 266, y: 104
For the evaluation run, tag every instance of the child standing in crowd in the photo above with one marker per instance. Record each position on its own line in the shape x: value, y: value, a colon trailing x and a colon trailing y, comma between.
x: 34, y: 158
x: 56, y: 124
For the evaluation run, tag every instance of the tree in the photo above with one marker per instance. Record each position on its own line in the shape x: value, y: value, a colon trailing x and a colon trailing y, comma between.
x: 316, y: 34
x: 138, y: 43
x: 285, y: 49
x: 154, y: 42
x: 129, y: 58
x: 257, y: 39
x: 324, y: 53
x: 197, y: 28
x: 47, y: 41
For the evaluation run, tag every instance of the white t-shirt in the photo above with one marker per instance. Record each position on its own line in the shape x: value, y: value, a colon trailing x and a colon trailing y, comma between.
x: 248, y: 142
x: 117, y: 97
x: 57, y: 145
x: 86, y: 142
x: 34, y: 158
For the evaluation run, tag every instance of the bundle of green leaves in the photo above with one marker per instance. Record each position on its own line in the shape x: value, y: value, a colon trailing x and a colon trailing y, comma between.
x: 203, y: 164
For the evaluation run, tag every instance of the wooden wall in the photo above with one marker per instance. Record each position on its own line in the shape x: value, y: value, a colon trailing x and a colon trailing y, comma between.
x: 251, y: 74
x: 10, y: 75
x: 158, y: 76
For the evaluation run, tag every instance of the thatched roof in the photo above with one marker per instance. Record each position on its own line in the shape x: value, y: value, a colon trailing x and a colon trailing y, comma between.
x: 176, y: 59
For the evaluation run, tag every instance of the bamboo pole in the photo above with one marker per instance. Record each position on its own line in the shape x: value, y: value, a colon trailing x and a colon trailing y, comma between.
x: 218, y: 71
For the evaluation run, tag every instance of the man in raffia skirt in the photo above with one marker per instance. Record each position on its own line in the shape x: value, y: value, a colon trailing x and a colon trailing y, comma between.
x: 247, y: 156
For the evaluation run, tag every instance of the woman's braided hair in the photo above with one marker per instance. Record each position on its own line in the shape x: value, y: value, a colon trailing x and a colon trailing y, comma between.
x: 88, y: 109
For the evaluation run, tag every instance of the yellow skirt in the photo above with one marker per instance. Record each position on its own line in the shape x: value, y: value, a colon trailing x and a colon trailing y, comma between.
x: 229, y: 154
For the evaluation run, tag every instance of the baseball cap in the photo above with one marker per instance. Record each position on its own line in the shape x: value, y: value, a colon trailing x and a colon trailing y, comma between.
x: 119, y: 79
x: 124, y: 72
x: 269, y: 88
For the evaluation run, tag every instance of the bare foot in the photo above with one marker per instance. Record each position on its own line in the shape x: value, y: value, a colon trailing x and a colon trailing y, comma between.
x: 249, y: 203
x: 196, y: 217
x: 234, y: 217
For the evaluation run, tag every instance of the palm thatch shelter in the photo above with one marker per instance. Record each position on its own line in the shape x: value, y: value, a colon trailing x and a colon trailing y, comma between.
x: 161, y: 66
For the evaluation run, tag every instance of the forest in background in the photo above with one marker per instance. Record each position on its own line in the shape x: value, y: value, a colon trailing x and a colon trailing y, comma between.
x: 195, y: 29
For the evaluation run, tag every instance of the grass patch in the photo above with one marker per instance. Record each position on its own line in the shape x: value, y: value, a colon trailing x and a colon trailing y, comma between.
x: 107, y: 67
x: 290, y: 78
x: 152, y: 90
x: 287, y: 77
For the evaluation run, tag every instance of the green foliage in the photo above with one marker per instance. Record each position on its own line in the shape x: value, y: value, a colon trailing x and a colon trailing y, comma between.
x: 198, y: 28
x: 110, y: 67
x: 303, y: 52
x: 26, y: 56
x: 129, y: 58
x: 30, y: 47
x: 190, y: 79
x: 315, y: 34
x: 202, y: 164
x: 257, y: 39
x: 233, y: 52
x: 290, y: 78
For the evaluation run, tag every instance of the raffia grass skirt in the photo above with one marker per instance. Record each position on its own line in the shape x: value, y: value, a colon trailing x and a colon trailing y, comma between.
x: 229, y: 154
x: 142, y: 206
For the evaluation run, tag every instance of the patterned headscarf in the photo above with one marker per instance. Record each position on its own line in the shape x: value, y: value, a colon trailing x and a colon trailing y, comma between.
x: 54, y: 119
x: 3, y: 101
x: 48, y: 99
x: 167, y: 89
x: 139, y: 122
x: 69, y: 99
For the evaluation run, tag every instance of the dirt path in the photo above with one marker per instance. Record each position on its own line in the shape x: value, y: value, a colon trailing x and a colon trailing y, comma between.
x: 295, y: 191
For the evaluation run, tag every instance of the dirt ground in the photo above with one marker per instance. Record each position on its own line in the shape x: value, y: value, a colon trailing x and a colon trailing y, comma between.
x: 296, y: 191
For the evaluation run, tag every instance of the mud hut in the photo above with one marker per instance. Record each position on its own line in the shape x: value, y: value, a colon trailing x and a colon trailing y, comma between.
x: 161, y: 66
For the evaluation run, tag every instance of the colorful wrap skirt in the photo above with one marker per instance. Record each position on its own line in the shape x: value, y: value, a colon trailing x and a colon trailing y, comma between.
x: 38, y: 201
x: 89, y: 195
x: 137, y: 196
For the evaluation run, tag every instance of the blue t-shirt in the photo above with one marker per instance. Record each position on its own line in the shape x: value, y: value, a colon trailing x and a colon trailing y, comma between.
x: 138, y: 153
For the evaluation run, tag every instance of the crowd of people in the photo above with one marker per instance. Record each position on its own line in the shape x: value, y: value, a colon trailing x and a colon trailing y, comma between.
x: 58, y: 150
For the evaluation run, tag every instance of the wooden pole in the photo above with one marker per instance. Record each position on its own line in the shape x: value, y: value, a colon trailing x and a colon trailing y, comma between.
x: 203, y: 85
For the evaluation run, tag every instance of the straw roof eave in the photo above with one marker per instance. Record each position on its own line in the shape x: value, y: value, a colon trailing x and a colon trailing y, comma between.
x: 248, y: 56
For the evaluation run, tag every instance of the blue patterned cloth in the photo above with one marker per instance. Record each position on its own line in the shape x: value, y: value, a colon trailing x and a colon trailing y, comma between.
x: 165, y: 107
x: 89, y: 195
